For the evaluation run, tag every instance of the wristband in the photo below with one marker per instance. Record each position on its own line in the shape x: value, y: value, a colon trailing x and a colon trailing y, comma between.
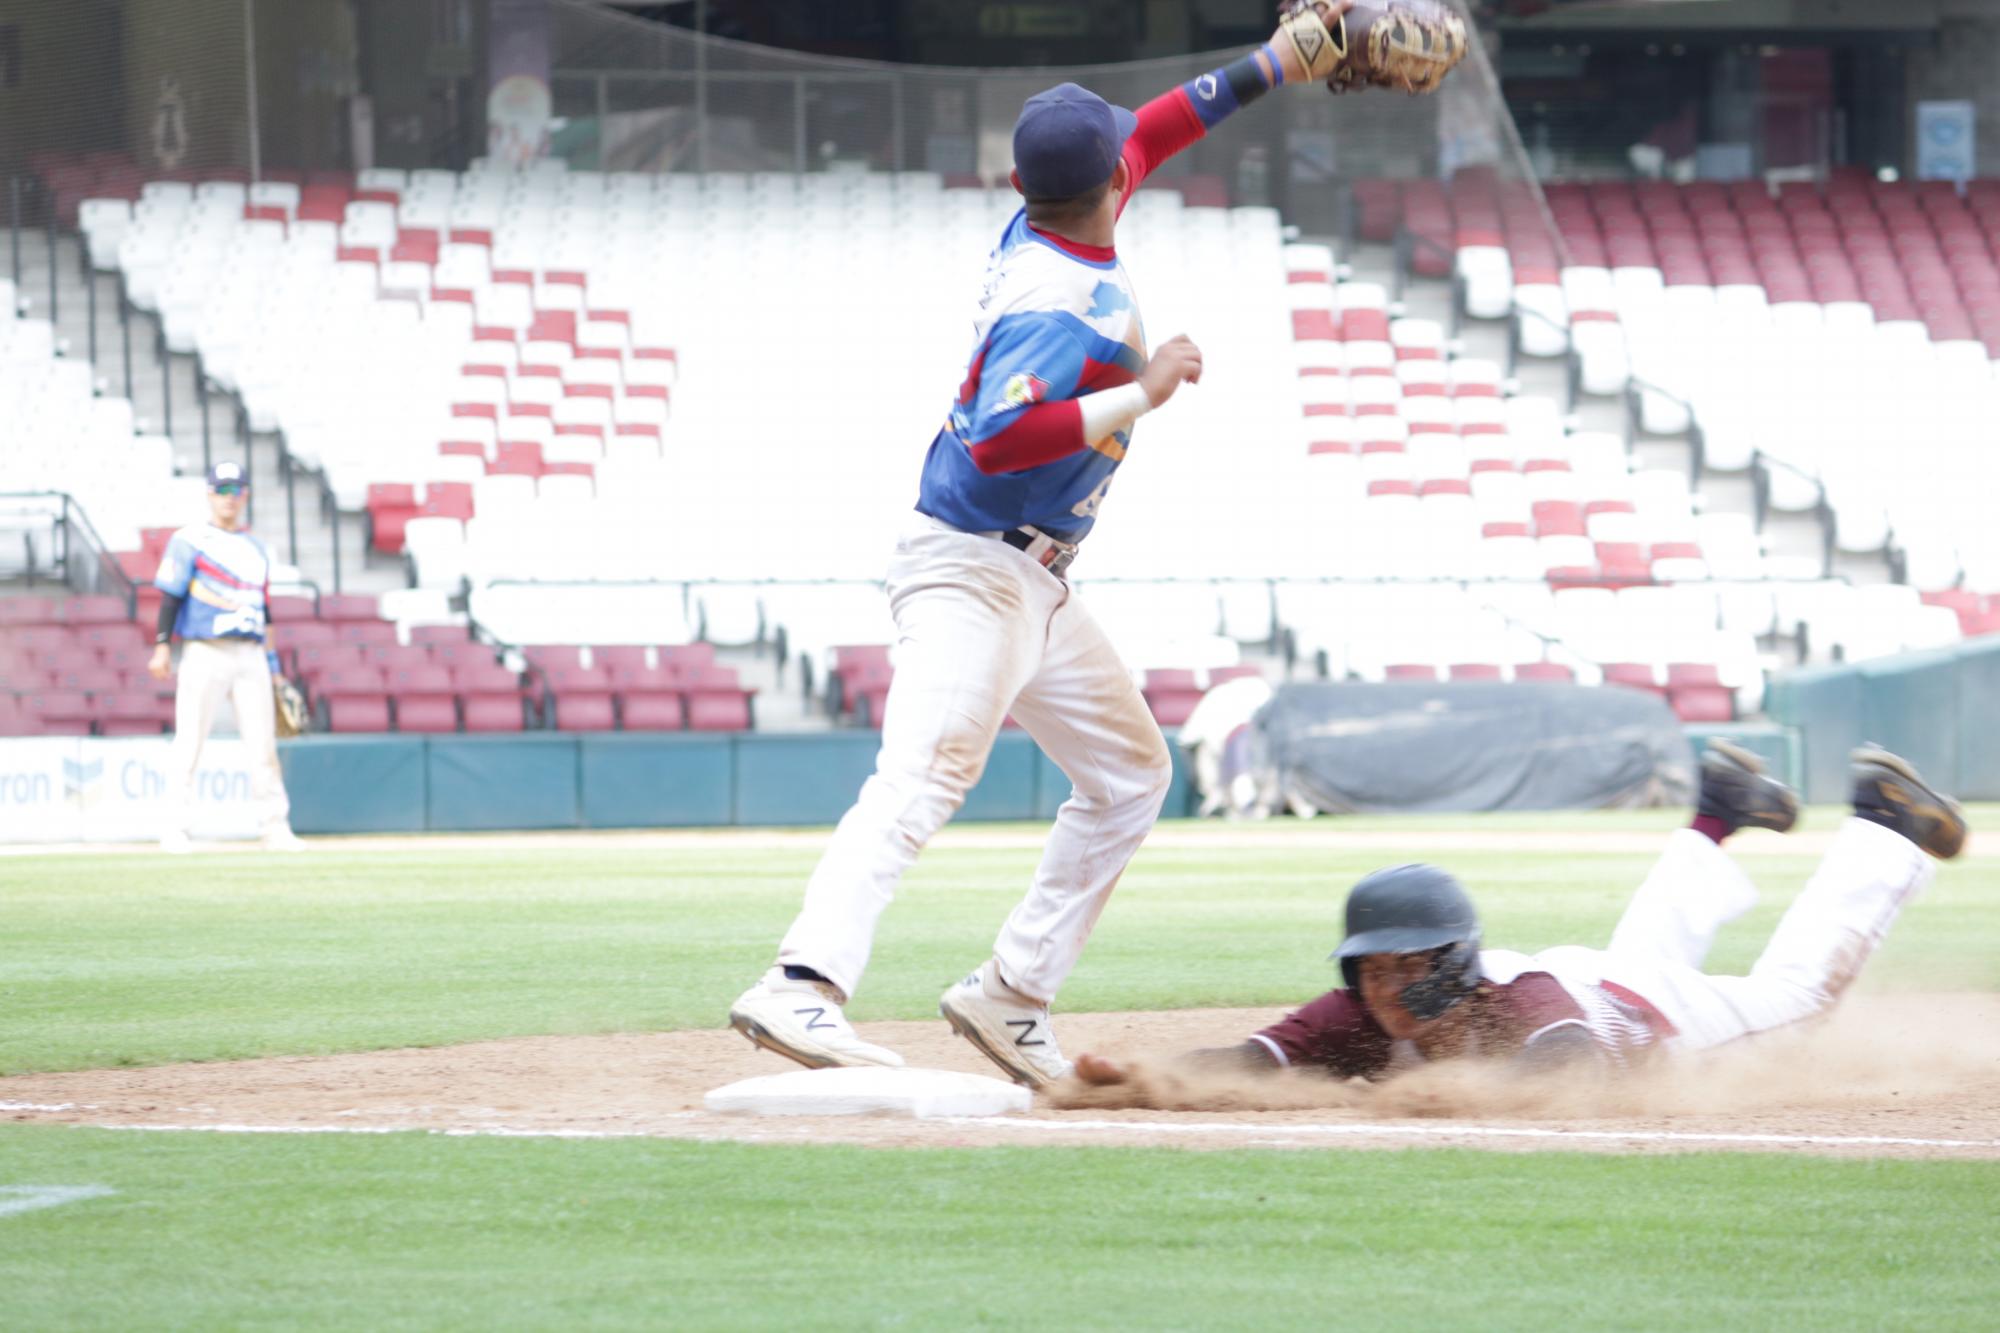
x: 1109, y: 411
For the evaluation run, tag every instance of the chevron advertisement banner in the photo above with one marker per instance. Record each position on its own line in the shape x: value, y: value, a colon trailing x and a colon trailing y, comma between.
x: 83, y: 789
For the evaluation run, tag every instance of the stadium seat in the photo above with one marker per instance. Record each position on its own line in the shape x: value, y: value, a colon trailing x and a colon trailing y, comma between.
x: 424, y: 698
x: 351, y: 698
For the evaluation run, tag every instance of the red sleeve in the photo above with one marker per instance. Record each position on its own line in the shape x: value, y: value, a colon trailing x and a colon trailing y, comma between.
x: 1040, y: 434
x: 1334, y: 1032
x: 1167, y: 124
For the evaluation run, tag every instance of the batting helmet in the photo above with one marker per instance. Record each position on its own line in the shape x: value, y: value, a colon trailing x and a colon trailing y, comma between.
x: 1415, y: 909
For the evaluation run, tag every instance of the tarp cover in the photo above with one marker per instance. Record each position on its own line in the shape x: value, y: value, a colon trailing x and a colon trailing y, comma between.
x: 1469, y: 746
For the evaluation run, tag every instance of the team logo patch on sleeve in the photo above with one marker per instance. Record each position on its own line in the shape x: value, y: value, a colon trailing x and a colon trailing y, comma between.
x: 1021, y: 390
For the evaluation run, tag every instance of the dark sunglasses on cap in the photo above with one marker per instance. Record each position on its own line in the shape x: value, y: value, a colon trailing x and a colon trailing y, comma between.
x: 229, y: 488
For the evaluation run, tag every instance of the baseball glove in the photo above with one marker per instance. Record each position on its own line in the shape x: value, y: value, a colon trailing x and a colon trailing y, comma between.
x: 289, y: 707
x: 1406, y: 44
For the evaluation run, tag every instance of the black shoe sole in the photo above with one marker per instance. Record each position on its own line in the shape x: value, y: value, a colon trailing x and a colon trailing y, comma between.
x: 1751, y: 779
x: 1933, y: 822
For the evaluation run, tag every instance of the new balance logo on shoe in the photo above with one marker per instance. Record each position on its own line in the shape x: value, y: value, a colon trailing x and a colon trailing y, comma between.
x: 1027, y: 1026
x: 816, y: 1019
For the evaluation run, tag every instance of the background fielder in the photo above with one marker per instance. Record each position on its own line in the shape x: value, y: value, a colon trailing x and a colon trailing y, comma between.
x: 215, y: 581
x: 986, y: 625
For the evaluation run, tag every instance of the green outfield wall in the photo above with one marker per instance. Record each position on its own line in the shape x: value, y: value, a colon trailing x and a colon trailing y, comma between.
x: 392, y: 783
x: 1940, y: 710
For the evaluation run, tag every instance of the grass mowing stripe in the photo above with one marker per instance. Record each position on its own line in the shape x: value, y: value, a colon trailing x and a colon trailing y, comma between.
x: 419, y: 1232
x: 109, y: 961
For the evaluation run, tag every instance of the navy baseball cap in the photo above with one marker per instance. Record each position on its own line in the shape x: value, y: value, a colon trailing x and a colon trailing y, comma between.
x: 227, y: 474
x: 1067, y: 141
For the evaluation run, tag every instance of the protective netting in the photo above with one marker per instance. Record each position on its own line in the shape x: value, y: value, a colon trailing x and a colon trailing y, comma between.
x: 286, y: 89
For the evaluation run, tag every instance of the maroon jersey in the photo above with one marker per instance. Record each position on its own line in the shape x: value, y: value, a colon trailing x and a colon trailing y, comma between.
x: 1520, y: 1005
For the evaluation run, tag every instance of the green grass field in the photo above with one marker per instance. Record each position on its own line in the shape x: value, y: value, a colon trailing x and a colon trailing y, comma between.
x: 121, y: 960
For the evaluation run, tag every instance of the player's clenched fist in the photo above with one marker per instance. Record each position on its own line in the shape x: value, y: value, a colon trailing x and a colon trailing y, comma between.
x: 1098, y: 1071
x: 1174, y: 360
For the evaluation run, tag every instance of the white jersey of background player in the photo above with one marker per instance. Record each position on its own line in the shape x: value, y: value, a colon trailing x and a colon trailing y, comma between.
x: 215, y: 583
x: 986, y: 625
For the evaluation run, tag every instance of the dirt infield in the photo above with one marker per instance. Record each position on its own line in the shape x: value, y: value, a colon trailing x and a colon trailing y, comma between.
x: 1906, y: 1076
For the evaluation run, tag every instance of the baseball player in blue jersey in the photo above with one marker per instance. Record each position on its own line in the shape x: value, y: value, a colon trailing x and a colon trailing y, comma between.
x: 215, y: 584
x: 986, y: 625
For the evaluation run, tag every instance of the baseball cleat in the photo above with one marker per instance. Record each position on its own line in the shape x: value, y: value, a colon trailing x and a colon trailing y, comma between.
x: 282, y: 839
x: 802, y: 1021
x: 1009, y: 1029
x: 1736, y: 790
x: 1887, y: 791
x: 175, y: 842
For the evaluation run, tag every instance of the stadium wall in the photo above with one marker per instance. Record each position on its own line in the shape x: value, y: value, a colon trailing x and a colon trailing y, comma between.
x: 91, y: 789
x: 1940, y: 709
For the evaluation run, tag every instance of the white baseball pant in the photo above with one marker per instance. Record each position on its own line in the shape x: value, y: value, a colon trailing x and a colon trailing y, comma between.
x: 1817, y: 950
x: 210, y: 671
x: 982, y: 630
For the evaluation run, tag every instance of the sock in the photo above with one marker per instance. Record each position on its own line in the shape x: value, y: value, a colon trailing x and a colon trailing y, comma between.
x: 796, y: 973
x: 1712, y: 827
x: 1886, y: 818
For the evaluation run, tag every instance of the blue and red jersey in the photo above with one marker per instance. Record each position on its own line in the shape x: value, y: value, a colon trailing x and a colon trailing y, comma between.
x: 225, y: 579
x: 1057, y: 320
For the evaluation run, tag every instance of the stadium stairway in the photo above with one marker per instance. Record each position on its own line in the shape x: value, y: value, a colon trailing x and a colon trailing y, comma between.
x: 166, y: 391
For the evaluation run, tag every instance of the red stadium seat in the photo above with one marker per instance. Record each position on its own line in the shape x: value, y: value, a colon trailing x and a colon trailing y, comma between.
x: 391, y: 506
x: 1557, y: 518
x: 95, y: 610
x: 86, y: 675
x: 579, y: 698
x: 490, y: 696
x: 348, y: 606
x: 134, y: 713
x: 1475, y: 671
x: 29, y: 610
x: 352, y: 698
x: 649, y: 699
x: 1241, y: 671
x: 716, y: 701
x: 429, y: 635
x: 1703, y: 703
x: 1543, y: 671
x: 1172, y: 695
x: 1632, y: 675
x: 61, y: 712
x: 283, y: 607
x: 393, y: 657
x: 620, y: 659
x: 41, y: 641
x: 373, y: 633
x: 553, y: 656
x: 112, y: 637
x: 1409, y: 671
x: 313, y: 660
x: 424, y: 697
x: 456, y: 653
x: 686, y: 658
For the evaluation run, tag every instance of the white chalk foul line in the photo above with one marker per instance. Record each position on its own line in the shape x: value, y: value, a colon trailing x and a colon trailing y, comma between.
x: 27, y: 1198
x: 1259, y: 1134
x: 1471, y: 1131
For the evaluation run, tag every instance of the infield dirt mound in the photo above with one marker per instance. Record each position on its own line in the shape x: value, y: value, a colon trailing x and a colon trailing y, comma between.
x: 1906, y: 1067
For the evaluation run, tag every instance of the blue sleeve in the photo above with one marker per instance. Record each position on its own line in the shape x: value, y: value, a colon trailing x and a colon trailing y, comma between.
x: 176, y: 567
x: 1027, y: 359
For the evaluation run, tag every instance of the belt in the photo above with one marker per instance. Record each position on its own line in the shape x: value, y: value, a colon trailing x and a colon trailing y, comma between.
x: 1049, y: 552
x: 1044, y: 550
